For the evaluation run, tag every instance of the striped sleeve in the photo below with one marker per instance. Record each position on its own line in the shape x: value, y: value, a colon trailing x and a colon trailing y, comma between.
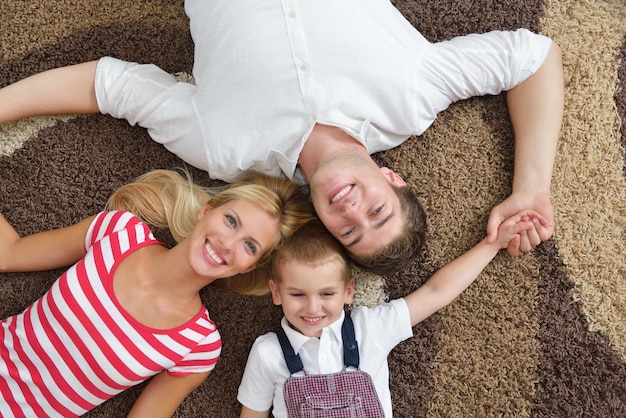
x: 204, y: 356
x: 106, y: 223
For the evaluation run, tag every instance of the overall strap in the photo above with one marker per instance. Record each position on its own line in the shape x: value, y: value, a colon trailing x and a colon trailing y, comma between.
x: 350, y: 346
x: 294, y: 364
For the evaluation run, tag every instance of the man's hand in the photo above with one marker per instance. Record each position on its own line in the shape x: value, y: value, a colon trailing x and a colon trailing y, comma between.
x: 518, y: 202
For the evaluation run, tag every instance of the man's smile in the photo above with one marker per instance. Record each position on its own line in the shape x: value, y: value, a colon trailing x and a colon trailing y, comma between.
x: 341, y: 193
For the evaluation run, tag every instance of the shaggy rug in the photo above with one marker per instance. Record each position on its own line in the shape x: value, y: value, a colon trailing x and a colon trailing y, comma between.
x: 541, y: 335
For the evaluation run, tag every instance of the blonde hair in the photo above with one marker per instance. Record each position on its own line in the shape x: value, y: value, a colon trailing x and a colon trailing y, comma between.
x: 167, y: 199
x: 312, y: 245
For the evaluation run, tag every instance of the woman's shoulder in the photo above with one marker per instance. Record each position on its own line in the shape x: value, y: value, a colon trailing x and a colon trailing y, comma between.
x: 116, y: 220
x: 124, y: 225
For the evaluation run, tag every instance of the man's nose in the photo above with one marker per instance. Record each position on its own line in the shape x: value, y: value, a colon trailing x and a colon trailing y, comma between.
x: 354, y: 213
x: 351, y: 207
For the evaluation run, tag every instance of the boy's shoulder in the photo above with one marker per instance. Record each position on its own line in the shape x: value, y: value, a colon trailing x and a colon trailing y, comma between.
x: 268, y: 339
x: 392, y: 307
x: 384, y: 318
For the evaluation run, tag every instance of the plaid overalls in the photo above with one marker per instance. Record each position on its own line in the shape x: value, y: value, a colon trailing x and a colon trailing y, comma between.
x: 335, y: 395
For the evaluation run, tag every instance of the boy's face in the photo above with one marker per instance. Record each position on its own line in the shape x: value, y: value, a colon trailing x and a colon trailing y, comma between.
x: 312, y: 297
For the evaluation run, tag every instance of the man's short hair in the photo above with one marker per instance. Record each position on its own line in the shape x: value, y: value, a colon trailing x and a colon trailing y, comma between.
x: 399, y: 253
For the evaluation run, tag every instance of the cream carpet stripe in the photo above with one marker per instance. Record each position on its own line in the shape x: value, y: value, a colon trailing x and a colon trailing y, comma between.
x: 14, y: 135
x: 589, y: 190
x: 369, y: 289
x: 488, y: 350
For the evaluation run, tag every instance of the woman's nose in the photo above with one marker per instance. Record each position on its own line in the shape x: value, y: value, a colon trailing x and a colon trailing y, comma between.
x: 227, y: 243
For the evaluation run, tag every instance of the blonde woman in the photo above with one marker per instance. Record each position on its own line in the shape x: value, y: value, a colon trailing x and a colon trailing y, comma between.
x: 128, y: 308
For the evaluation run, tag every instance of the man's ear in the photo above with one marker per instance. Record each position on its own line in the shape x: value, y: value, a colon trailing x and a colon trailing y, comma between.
x: 393, y: 177
x: 349, y: 292
x: 275, y: 293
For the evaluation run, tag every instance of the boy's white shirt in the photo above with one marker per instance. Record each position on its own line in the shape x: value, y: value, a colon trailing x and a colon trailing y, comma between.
x: 378, y: 330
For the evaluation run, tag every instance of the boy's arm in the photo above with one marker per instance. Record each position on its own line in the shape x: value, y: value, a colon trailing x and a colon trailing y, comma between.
x: 162, y: 396
x: 260, y: 377
x: 452, y: 279
x: 41, y: 251
x: 249, y: 413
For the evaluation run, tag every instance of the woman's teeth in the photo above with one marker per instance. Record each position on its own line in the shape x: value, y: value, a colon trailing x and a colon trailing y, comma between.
x: 213, y: 254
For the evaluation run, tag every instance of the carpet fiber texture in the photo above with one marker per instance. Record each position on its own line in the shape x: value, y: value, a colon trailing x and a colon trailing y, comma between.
x: 541, y: 335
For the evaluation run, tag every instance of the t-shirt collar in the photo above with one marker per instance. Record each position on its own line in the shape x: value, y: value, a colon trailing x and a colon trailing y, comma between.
x: 297, y: 339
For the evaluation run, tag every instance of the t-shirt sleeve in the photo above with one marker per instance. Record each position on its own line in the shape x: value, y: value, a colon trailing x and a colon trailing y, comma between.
x: 390, y: 323
x: 256, y: 390
x: 202, y: 358
x: 106, y: 223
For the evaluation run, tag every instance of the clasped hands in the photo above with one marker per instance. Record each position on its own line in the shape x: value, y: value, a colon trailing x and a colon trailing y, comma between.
x: 534, y: 207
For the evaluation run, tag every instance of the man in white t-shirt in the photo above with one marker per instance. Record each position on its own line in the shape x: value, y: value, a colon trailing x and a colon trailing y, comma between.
x: 312, y: 89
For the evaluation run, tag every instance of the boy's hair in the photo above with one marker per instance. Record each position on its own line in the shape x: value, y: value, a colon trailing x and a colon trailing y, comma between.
x: 311, y: 245
x: 403, y: 250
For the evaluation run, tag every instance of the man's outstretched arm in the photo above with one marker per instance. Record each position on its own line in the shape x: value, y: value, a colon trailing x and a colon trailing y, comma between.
x: 536, y: 111
x: 60, y: 91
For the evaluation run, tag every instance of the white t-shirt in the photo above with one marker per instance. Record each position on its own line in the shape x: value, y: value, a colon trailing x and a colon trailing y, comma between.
x: 267, y: 71
x: 378, y: 330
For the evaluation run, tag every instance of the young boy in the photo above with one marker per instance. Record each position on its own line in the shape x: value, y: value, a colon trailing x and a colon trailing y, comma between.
x: 312, y: 281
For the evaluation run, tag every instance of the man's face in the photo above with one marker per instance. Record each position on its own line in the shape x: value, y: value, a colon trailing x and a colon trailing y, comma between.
x: 354, y: 199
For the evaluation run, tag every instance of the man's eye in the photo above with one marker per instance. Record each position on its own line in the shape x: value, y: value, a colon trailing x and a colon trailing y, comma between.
x: 378, y: 210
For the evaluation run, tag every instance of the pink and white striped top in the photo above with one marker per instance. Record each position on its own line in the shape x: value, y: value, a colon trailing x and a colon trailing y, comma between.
x: 76, y: 347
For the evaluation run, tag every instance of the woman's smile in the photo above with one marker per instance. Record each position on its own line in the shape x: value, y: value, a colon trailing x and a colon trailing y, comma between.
x: 213, y: 254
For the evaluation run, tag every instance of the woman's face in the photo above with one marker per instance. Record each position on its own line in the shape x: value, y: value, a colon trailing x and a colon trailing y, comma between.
x: 230, y: 239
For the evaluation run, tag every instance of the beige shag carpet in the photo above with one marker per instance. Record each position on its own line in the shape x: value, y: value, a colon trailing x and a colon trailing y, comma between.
x: 542, y: 335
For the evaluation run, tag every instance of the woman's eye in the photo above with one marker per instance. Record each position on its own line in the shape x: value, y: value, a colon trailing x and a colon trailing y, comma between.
x: 251, y: 247
x: 231, y: 220
x: 347, y: 233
